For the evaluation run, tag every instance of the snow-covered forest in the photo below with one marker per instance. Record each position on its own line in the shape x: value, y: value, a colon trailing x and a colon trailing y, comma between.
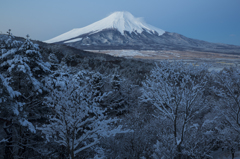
x: 62, y: 104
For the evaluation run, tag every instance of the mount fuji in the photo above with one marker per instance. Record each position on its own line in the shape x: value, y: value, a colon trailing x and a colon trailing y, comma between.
x: 121, y: 30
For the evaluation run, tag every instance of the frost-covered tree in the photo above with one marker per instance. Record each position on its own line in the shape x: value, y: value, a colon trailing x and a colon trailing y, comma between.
x: 21, y: 71
x: 113, y: 93
x: 176, y: 91
x: 96, y: 81
x: 116, y: 82
x: 227, y: 89
x: 124, y: 95
x: 77, y: 122
x: 10, y: 43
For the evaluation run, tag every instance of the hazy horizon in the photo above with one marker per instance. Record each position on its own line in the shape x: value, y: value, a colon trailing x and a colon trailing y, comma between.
x: 213, y: 21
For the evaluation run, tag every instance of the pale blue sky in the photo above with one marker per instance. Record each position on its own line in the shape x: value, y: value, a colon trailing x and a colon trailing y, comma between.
x: 210, y: 20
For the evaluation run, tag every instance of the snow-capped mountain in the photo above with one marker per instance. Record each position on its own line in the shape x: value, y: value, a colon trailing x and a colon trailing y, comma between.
x: 121, y: 21
x: 121, y: 30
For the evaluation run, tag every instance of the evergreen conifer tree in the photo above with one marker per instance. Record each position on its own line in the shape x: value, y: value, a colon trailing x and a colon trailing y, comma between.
x: 21, y: 71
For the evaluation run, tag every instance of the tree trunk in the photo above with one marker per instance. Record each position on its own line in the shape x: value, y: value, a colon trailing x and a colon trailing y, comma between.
x: 9, y: 147
x: 62, y: 152
x: 179, y: 151
x: 24, y: 142
x: 176, y: 142
x: 175, y: 134
x: 72, y: 154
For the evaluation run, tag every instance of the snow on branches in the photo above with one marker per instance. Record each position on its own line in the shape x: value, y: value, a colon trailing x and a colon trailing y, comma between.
x: 21, y: 71
x: 227, y: 88
x: 77, y: 121
x: 176, y: 90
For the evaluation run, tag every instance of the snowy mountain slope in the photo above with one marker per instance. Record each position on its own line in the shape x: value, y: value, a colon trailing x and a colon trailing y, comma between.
x: 121, y: 30
x: 110, y: 39
x: 121, y: 21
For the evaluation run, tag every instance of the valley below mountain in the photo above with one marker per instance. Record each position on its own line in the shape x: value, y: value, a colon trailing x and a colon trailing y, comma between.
x: 216, y: 61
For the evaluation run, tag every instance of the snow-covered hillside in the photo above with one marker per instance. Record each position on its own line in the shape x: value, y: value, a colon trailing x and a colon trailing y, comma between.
x: 122, y: 21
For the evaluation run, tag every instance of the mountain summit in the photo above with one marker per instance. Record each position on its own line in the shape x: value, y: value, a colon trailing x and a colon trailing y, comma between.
x: 121, y: 30
x: 121, y: 21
